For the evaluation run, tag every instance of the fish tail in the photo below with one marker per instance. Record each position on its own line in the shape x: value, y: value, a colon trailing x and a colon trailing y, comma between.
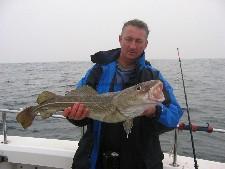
x: 26, y: 117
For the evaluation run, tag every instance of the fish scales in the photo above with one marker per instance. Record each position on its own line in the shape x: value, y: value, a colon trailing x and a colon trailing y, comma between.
x: 109, y: 107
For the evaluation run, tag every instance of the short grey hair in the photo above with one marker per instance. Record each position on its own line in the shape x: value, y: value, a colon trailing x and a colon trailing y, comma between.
x: 138, y: 23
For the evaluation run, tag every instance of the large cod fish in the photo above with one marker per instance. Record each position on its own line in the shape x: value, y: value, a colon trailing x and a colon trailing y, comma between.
x: 110, y: 107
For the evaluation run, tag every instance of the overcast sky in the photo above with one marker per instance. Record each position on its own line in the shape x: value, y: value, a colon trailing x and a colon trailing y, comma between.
x: 72, y: 30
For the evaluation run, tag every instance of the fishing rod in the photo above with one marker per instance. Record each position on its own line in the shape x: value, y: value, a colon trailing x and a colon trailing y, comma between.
x: 188, y: 113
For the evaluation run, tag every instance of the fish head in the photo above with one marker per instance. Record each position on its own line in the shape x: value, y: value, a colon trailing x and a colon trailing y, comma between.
x: 134, y: 100
x: 150, y: 92
x: 145, y: 92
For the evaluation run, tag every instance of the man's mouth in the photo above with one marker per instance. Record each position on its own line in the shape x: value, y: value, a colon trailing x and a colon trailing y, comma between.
x: 132, y: 52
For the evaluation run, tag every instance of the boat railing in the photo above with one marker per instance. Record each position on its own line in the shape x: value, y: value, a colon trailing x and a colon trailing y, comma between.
x: 194, y: 128
x: 4, y: 127
x: 181, y: 126
x: 4, y: 122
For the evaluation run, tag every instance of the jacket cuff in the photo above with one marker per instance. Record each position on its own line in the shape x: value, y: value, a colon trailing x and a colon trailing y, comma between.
x: 158, y: 111
x: 79, y: 123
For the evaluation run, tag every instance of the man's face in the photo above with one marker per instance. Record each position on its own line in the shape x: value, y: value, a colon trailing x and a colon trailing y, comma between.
x: 133, y: 42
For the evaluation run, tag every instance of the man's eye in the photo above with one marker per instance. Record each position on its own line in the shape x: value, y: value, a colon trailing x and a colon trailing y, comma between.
x: 139, y: 41
x: 128, y: 39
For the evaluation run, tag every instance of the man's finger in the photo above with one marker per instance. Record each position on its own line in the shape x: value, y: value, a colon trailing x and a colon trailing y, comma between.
x: 66, y: 111
x: 74, y: 109
x: 80, y: 111
x: 85, y: 113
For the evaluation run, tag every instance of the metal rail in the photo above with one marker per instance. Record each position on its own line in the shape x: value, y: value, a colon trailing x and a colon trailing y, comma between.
x: 4, y: 127
x: 194, y: 128
x: 175, y: 145
x: 4, y: 121
x: 17, y: 111
x: 219, y: 130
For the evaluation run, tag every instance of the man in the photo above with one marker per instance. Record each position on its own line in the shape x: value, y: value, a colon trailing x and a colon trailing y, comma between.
x: 107, y: 145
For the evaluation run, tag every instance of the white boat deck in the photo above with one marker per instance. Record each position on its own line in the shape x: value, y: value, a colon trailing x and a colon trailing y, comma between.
x: 42, y: 153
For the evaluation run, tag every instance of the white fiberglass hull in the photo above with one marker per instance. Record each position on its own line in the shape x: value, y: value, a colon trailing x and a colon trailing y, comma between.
x: 42, y: 153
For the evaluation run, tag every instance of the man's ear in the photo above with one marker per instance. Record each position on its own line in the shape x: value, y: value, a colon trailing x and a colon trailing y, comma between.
x: 120, y: 38
x: 146, y: 43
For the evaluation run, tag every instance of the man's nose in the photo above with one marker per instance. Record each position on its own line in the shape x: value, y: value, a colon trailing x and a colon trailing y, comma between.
x: 133, y: 44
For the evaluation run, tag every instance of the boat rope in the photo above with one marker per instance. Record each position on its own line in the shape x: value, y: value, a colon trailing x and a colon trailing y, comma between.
x: 188, y: 113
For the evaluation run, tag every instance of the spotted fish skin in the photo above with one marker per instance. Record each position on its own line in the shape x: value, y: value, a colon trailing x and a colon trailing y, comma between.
x: 110, y: 107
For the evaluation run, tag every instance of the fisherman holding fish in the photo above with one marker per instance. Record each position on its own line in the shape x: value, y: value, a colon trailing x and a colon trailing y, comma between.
x: 108, y: 145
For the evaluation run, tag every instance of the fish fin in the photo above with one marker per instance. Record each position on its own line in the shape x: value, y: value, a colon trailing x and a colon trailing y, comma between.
x: 46, y: 113
x: 84, y: 90
x: 45, y: 96
x: 26, y: 117
x: 127, y: 126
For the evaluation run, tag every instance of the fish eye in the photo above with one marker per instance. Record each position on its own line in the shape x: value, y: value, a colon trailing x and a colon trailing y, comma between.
x: 138, y: 88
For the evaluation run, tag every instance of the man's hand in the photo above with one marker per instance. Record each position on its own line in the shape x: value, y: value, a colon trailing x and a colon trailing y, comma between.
x: 150, y: 112
x: 77, y: 112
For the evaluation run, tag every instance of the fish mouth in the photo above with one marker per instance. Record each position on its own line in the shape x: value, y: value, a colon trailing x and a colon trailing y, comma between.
x: 152, y: 99
x: 156, y: 95
x: 155, y: 100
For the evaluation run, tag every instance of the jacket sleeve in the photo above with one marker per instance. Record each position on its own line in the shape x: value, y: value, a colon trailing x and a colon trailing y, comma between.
x: 169, y: 114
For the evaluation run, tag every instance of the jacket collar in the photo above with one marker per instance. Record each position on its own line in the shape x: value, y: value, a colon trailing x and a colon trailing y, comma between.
x: 106, y: 57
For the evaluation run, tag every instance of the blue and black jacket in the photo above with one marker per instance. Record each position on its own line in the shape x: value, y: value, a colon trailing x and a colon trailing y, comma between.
x: 144, y: 140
